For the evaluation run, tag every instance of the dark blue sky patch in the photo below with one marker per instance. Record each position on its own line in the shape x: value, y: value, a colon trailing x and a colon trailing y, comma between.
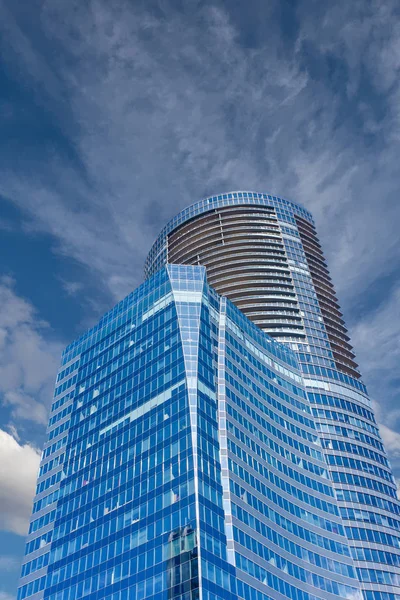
x: 56, y: 285
x: 12, y: 546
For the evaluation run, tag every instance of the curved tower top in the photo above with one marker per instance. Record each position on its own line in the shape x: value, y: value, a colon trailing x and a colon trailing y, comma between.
x: 158, y: 255
x: 263, y: 253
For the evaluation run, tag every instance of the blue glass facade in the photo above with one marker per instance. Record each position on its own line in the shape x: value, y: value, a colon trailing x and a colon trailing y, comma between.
x: 183, y: 462
x: 263, y: 252
x: 192, y: 456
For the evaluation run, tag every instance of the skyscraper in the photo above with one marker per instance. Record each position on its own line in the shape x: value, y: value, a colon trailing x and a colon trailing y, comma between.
x: 192, y: 455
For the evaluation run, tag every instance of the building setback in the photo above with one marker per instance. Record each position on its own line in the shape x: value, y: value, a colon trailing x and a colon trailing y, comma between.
x: 191, y: 455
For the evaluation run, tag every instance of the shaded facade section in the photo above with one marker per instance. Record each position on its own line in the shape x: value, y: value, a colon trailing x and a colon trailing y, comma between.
x: 285, y: 533
x: 342, y: 350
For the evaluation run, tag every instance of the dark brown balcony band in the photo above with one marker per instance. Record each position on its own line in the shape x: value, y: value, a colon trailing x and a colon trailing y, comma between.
x: 243, y: 251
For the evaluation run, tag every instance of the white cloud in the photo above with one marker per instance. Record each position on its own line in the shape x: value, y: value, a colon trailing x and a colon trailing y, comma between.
x: 391, y: 439
x: 18, y: 471
x: 150, y: 97
x: 72, y: 287
x: 28, y: 358
x: 376, y: 339
x: 381, y: 331
x: 351, y: 181
x: 165, y: 107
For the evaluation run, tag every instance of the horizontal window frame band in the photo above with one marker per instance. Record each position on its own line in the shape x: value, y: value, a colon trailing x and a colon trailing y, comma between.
x: 222, y: 255
x: 248, y: 267
x: 224, y: 214
x: 271, y: 279
x: 238, y: 280
x: 223, y: 239
x: 219, y: 240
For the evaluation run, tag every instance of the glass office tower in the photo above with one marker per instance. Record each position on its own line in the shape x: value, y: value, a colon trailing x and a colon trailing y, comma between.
x: 191, y: 455
x: 183, y: 462
x: 263, y: 253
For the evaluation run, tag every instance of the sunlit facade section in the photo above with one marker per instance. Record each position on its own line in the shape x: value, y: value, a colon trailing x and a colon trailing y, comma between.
x: 263, y: 253
x: 183, y: 462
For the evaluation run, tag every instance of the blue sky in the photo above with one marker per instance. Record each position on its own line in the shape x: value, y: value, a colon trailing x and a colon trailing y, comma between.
x: 116, y: 115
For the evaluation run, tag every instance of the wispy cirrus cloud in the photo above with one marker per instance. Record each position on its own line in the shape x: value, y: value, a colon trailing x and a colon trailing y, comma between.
x: 377, y: 342
x: 152, y: 107
x: 117, y: 115
x: 166, y: 106
x: 28, y: 358
x: 28, y: 363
